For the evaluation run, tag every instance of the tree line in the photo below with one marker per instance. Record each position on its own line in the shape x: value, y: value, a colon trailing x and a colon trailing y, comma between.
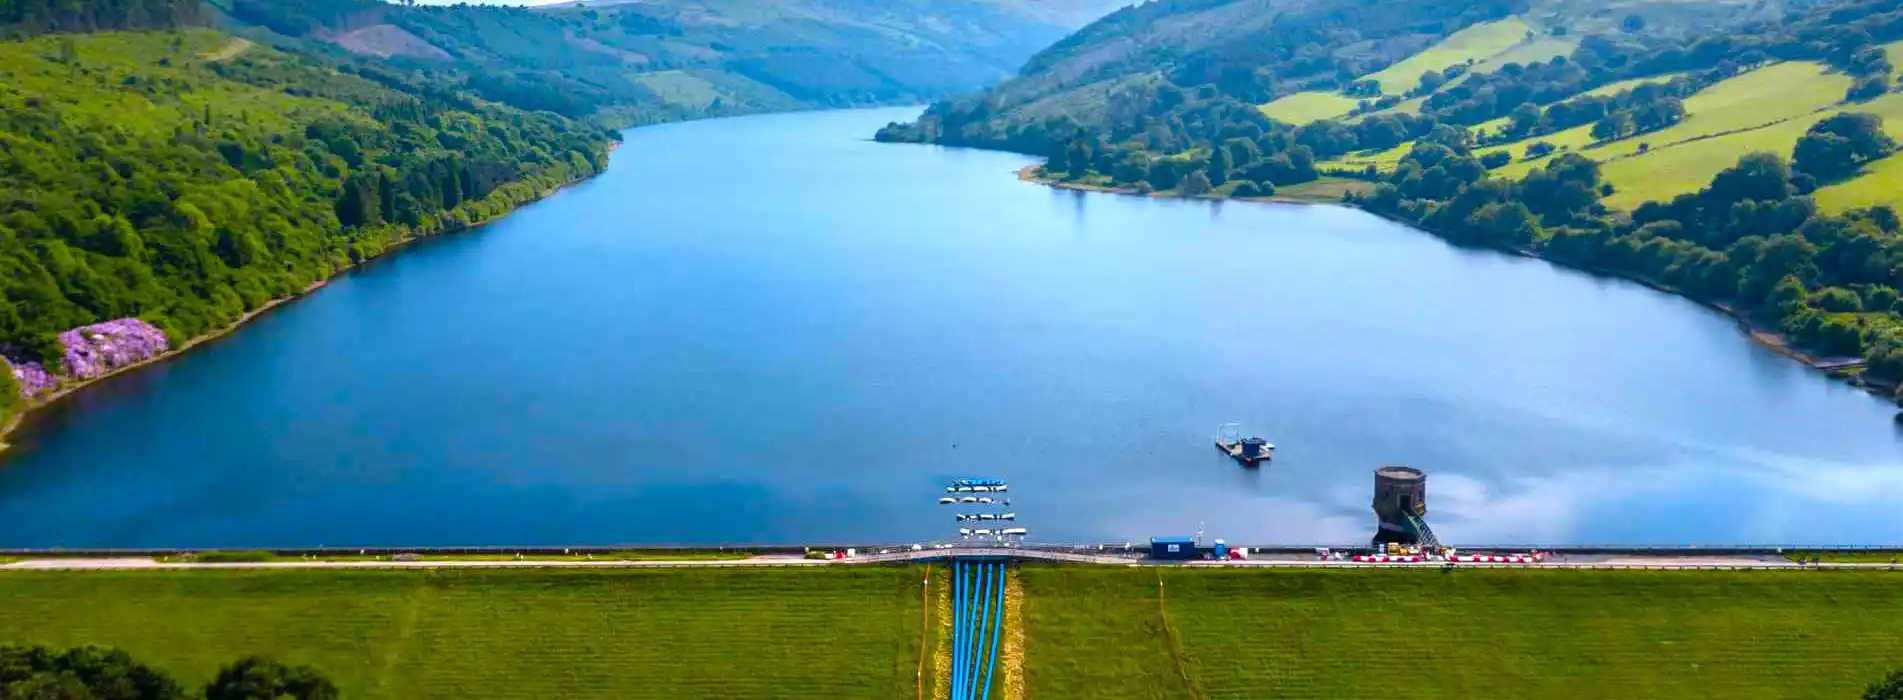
x: 30, y: 17
x: 103, y: 673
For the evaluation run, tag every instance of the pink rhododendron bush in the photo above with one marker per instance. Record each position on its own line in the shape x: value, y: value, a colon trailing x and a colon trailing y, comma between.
x: 99, y: 348
x: 88, y: 352
x: 32, y: 378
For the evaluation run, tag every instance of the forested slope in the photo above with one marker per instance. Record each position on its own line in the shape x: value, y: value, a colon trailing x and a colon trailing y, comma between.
x: 1742, y: 154
x: 20, y: 18
x: 176, y: 179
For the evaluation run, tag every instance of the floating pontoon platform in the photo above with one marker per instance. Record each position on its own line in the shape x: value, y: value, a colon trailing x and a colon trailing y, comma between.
x: 1248, y: 451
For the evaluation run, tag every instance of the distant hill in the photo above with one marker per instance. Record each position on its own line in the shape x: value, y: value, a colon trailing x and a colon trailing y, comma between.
x: 668, y: 59
x: 1256, y: 51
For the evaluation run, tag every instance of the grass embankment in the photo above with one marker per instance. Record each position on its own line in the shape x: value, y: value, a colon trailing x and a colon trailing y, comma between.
x: 1846, y: 557
x: 841, y: 632
x: 1100, y: 633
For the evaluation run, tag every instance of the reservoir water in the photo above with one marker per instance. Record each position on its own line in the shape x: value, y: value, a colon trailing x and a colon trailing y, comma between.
x: 771, y: 330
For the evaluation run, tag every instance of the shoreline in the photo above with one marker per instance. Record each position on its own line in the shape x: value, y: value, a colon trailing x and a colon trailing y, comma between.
x: 71, y: 387
x: 1764, y: 336
x: 1029, y: 174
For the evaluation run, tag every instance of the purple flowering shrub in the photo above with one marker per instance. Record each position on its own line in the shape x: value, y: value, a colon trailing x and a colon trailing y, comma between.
x: 99, y: 348
x: 88, y: 352
x: 32, y: 378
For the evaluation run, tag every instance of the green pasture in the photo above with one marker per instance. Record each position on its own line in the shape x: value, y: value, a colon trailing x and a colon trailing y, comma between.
x: 1111, y: 633
x: 1611, y: 89
x: 831, y: 632
x: 131, y: 81
x: 1540, y: 49
x: 1311, y: 106
x: 1327, y: 189
x: 1476, y: 43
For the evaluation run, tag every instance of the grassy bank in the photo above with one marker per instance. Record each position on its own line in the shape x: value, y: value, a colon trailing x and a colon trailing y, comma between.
x: 1101, y: 633
x: 842, y: 632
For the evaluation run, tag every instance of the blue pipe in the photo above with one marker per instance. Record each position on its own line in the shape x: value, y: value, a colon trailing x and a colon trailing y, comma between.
x: 978, y: 630
x: 959, y: 608
x: 997, y: 630
x: 978, y: 633
x: 972, y: 607
x: 971, y: 626
x: 984, y: 609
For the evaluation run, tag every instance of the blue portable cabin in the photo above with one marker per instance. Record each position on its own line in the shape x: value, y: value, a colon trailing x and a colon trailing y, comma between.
x: 1175, y: 548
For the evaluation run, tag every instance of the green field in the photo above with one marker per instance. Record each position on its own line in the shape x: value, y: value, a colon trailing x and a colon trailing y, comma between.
x: 1690, y: 165
x: 832, y: 632
x: 1664, y: 173
x: 1611, y: 89
x: 1476, y: 43
x: 680, y: 87
x: 1757, y: 98
x: 1327, y: 189
x: 1766, y: 109
x: 1538, y: 50
x: 1846, y: 557
x: 1304, y: 107
x: 1099, y: 633
x: 1882, y: 181
x: 98, y: 93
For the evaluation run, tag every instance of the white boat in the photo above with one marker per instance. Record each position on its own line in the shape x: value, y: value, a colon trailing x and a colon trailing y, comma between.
x: 947, y: 501
x: 1011, y: 531
x: 987, y: 516
x: 962, y: 516
x: 951, y: 489
x: 981, y: 532
x: 981, y: 489
x: 1008, y: 516
x: 964, y: 532
x: 986, y: 500
x: 964, y: 489
x: 968, y: 499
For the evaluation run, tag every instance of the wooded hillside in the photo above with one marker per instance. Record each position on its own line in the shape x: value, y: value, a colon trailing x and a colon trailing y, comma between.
x: 188, y: 177
x: 1754, y: 168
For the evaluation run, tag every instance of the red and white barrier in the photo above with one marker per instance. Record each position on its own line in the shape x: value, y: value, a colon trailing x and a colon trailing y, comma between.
x: 1495, y: 558
x: 1458, y: 558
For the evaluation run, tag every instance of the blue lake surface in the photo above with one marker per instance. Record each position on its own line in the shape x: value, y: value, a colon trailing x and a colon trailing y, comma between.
x: 772, y: 330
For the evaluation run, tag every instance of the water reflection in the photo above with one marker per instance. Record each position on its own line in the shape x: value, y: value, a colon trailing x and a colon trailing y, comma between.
x: 646, y: 359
